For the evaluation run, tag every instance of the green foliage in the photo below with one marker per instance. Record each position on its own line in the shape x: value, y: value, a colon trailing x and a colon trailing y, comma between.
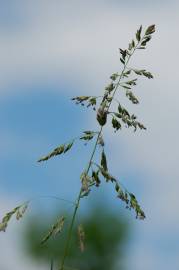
x: 98, y: 241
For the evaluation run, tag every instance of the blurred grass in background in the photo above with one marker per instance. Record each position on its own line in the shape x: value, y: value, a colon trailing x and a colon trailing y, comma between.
x: 106, y: 235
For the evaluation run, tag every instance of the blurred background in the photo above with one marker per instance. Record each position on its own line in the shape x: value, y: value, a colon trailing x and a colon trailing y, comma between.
x: 51, y: 51
x: 104, y: 245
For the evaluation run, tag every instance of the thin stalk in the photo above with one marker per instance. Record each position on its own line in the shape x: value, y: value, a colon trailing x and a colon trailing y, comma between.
x: 70, y: 232
x: 121, y: 75
x: 77, y: 205
x: 88, y: 167
x: 50, y: 197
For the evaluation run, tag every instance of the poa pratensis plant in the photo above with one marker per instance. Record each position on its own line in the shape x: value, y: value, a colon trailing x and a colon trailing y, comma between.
x: 97, y: 171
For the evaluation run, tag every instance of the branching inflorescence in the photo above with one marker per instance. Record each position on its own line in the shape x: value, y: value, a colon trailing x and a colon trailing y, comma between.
x: 97, y: 170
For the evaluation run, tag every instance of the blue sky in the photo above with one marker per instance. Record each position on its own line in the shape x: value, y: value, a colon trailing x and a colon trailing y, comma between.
x: 54, y: 50
x: 37, y: 122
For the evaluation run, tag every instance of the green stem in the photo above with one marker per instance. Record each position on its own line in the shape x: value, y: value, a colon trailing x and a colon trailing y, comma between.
x: 121, y: 75
x: 76, y: 207
x: 70, y: 232
x: 66, y: 250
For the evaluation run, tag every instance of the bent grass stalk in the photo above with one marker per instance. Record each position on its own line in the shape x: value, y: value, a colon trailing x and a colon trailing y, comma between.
x: 88, y: 168
x: 121, y: 117
x: 77, y: 205
x: 91, y: 158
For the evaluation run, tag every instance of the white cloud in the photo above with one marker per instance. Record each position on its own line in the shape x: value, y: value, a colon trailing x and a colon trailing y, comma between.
x: 78, y: 44
x: 147, y: 258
